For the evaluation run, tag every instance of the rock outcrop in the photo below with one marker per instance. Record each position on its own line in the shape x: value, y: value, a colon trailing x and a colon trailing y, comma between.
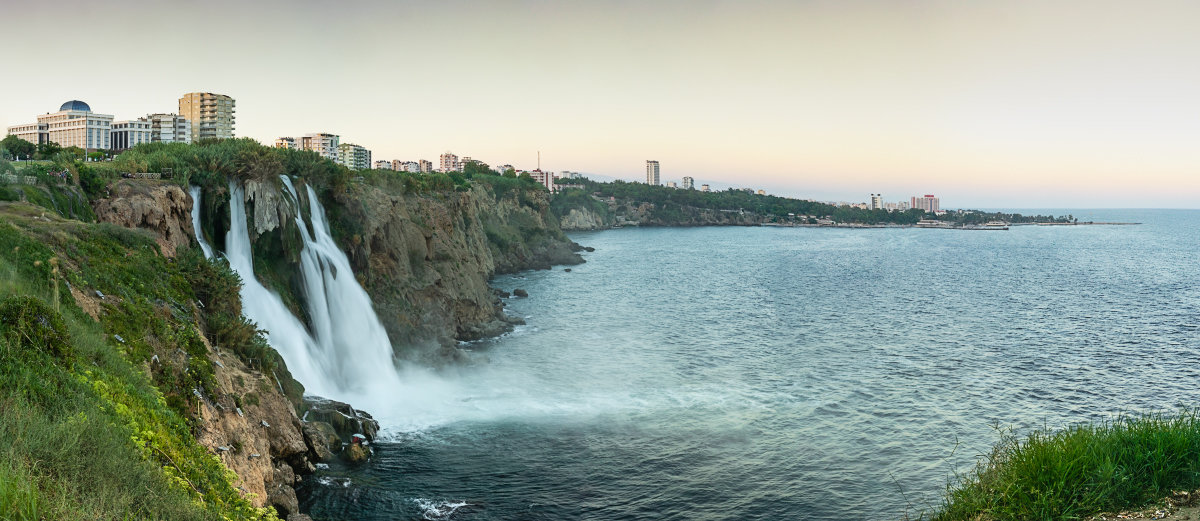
x: 158, y: 206
x: 583, y: 219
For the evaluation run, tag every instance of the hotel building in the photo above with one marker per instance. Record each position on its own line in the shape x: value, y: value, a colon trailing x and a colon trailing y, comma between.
x: 74, y: 125
x: 929, y: 203
x: 212, y: 115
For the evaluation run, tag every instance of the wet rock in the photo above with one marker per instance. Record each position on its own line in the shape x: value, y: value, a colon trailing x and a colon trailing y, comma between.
x: 299, y: 517
x: 520, y: 293
x: 345, y: 420
x: 356, y: 453
x: 589, y: 249
x: 568, y: 270
x: 323, y: 440
x: 280, y: 493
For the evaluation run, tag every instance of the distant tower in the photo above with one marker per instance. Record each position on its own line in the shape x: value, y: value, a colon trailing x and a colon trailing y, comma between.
x: 652, y: 172
x: 689, y: 183
x: 211, y: 115
x: 876, y: 201
x: 929, y: 203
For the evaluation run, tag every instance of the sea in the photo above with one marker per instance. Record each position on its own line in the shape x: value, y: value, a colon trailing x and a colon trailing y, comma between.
x: 748, y: 373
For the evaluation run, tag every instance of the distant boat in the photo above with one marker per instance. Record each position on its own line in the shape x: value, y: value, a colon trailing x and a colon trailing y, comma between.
x: 990, y: 225
x: 932, y: 223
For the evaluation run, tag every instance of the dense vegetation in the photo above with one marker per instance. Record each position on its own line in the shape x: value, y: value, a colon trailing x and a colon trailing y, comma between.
x: 96, y: 415
x: 1080, y: 471
x: 669, y: 203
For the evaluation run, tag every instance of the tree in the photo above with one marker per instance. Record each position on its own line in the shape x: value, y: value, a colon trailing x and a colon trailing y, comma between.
x: 18, y: 148
x: 48, y: 150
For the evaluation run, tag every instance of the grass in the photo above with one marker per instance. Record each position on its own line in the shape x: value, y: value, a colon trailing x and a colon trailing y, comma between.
x: 86, y: 430
x: 1080, y: 471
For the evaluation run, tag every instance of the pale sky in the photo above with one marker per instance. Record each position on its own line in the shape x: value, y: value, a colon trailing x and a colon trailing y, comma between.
x: 985, y: 104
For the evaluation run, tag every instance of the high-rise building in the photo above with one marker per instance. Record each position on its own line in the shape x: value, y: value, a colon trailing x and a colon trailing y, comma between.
x: 169, y: 128
x: 652, y: 172
x: 324, y: 144
x: 354, y: 157
x: 545, y: 179
x: 929, y: 203
x: 212, y: 115
x: 426, y: 166
x: 689, y: 183
x: 449, y: 163
x: 876, y: 202
x: 128, y: 134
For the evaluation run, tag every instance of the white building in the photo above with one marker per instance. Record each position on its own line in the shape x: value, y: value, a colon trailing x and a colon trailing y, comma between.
x: 128, y: 134
x: 689, y: 183
x: 169, y: 128
x: 383, y: 164
x: 354, y: 157
x: 74, y: 125
x: 407, y: 166
x: 449, y: 163
x: 876, y: 202
x: 545, y: 179
x: 324, y: 144
x: 652, y: 172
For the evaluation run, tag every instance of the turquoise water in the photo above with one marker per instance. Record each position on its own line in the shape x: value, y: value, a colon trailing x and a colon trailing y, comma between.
x: 778, y: 373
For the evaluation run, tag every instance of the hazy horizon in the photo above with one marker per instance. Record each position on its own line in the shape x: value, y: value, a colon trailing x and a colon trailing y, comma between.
x: 985, y: 104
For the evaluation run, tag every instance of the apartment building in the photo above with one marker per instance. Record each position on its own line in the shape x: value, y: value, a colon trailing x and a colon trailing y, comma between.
x: 354, y: 157
x: 169, y: 128
x: 212, y: 115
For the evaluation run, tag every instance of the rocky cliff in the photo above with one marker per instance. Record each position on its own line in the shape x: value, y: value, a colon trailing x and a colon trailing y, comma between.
x: 158, y: 206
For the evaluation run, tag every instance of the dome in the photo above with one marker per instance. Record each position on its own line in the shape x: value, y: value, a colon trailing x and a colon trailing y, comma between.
x: 75, y: 105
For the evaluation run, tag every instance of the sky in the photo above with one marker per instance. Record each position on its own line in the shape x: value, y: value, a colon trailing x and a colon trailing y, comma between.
x: 985, y: 104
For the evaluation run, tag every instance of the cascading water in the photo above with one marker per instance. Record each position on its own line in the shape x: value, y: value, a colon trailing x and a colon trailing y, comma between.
x: 347, y: 356
x: 204, y: 246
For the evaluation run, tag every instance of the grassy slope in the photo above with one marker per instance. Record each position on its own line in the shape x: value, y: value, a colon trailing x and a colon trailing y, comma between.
x: 84, y: 431
x: 1080, y: 471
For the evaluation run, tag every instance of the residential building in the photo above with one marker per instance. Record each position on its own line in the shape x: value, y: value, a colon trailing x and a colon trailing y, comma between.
x: 128, y: 134
x: 762, y: 192
x: 354, y: 156
x: 324, y: 144
x: 407, y: 166
x: 504, y: 168
x: 671, y: 184
x: 384, y: 164
x: 689, y: 183
x: 545, y: 179
x: 928, y: 202
x: 903, y: 206
x: 449, y: 163
x: 169, y: 128
x: 652, y: 172
x: 287, y: 142
x: 876, y: 202
x: 212, y: 115
x: 426, y: 166
x: 704, y: 188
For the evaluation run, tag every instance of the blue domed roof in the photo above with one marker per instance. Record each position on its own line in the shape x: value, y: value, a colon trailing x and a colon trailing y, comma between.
x: 75, y: 105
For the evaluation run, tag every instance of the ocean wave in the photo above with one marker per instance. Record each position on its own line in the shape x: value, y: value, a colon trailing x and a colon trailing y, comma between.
x: 435, y: 510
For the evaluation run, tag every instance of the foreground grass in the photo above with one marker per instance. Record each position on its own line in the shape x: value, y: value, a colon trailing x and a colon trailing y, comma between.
x: 1080, y: 471
x: 86, y: 431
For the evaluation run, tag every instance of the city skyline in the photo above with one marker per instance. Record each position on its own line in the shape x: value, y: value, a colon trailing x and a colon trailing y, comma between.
x: 988, y: 104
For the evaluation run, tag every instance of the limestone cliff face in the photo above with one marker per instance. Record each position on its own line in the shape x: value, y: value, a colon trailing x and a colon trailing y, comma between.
x: 584, y: 219
x: 650, y: 214
x: 426, y: 259
x: 158, y: 206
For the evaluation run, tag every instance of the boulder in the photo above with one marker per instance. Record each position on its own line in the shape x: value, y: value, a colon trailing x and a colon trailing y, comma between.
x: 345, y: 420
x: 322, y: 439
x: 520, y: 293
x: 356, y: 453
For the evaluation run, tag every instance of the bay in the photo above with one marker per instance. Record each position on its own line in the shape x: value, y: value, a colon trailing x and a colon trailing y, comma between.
x: 787, y: 373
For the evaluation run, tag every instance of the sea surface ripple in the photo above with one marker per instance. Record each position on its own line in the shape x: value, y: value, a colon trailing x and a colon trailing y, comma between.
x: 788, y: 373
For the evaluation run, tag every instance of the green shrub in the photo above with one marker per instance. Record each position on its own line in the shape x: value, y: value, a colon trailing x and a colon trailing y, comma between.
x: 29, y: 323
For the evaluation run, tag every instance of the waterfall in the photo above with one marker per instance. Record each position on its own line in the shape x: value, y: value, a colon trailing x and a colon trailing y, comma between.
x: 204, y: 246
x: 347, y: 355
